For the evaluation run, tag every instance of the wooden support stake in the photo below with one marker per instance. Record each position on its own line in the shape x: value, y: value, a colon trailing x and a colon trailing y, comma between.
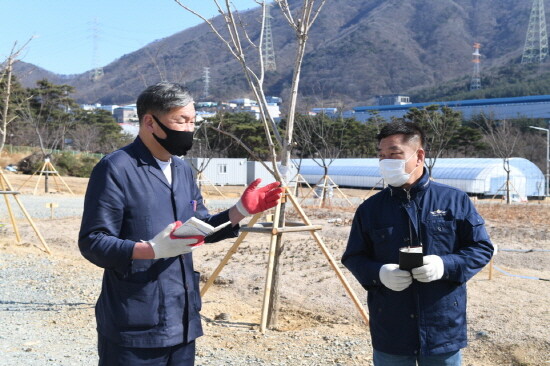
x: 339, y: 190
x: 27, y: 216
x: 269, y: 275
x: 47, y: 168
x: 331, y: 261
x: 201, y: 177
x: 312, y: 188
x: 276, y: 232
x: 10, y: 212
x: 56, y: 173
x: 39, y: 176
x: 228, y: 255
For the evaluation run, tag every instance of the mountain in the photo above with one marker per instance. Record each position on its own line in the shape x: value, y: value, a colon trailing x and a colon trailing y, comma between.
x: 357, y: 49
x: 28, y: 74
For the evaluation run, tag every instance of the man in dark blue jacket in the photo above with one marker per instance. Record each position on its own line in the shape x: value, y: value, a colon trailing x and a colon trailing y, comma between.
x: 148, y: 309
x: 418, y: 315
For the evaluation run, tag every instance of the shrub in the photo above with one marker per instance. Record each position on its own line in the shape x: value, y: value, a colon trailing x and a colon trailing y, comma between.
x: 66, y: 163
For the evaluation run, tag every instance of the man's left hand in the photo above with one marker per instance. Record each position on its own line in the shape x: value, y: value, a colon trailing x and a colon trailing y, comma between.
x: 432, y: 269
x: 255, y: 200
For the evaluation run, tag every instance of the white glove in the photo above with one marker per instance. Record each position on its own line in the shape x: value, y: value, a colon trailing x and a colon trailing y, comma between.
x: 165, y: 244
x: 394, y: 278
x: 431, y: 270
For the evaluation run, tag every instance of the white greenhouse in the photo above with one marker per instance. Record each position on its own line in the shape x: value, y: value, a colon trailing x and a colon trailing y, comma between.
x: 479, y: 176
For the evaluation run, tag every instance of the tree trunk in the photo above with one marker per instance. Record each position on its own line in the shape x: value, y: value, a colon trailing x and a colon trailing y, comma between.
x: 285, y: 162
x: 6, y: 103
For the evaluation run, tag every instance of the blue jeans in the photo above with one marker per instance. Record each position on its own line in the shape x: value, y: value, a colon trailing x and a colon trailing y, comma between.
x: 444, y: 359
x: 111, y: 354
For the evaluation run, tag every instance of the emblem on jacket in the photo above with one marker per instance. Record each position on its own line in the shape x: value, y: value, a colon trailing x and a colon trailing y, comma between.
x: 438, y: 212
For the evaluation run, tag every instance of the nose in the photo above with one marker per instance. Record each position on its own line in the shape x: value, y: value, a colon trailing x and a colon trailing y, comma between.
x: 189, y: 127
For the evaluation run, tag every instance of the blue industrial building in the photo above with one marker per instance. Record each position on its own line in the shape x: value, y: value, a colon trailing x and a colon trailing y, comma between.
x: 536, y: 106
x: 476, y: 176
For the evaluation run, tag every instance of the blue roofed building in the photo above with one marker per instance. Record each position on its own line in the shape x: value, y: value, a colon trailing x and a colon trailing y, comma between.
x: 536, y: 106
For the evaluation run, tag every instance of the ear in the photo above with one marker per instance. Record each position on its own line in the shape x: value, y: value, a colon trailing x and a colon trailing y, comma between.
x: 148, y: 122
x: 421, y: 156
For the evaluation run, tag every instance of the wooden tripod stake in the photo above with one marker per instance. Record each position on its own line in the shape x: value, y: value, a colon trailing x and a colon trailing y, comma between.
x: 299, y: 180
x: 9, y: 191
x: 274, y: 231
x: 47, y: 169
x: 324, y: 184
x: 202, y: 178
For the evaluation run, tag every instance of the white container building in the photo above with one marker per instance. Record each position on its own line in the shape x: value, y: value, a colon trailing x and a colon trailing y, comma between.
x: 220, y: 171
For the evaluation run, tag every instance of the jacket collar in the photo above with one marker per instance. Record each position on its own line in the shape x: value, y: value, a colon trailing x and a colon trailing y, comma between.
x: 145, y: 157
x: 421, y: 185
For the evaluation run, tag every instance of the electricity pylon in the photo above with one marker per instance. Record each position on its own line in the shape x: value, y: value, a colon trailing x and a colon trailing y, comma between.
x: 475, y: 84
x: 268, y: 49
x: 533, y: 51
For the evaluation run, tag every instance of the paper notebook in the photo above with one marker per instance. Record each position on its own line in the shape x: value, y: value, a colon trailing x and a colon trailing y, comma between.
x: 195, y: 227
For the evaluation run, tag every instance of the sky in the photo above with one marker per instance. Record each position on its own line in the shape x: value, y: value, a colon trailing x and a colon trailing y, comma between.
x: 74, y: 36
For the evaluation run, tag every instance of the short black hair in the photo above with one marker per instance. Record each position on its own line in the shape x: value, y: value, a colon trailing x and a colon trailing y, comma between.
x: 409, y: 130
x: 162, y: 97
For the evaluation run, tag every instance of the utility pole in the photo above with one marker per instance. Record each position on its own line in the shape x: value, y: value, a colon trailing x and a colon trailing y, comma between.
x: 547, y: 181
x: 268, y: 49
x: 475, y: 84
x: 536, y: 31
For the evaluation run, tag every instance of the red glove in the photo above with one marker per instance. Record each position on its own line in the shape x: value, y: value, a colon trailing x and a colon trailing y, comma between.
x: 256, y: 200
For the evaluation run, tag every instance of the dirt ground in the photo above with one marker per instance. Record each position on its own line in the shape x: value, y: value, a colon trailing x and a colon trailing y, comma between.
x: 509, y: 317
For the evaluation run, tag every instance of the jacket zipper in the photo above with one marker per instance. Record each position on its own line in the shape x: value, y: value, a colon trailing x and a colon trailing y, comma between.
x: 415, y: 288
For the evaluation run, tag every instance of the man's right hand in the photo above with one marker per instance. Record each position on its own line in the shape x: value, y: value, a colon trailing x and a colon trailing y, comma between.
x: 394, y: 278
x: 165, y: 244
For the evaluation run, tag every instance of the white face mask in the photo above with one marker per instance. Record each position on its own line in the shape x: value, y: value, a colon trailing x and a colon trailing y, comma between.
x: 393, y: 171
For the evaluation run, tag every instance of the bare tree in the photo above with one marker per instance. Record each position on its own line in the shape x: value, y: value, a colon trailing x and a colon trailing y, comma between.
x: 502, y: 136
x: 440, y: 128
x: 321, y: 139
x: 236, y: 37
x: 85, y: 137
x: 6, y: 74
x: 207, y: 148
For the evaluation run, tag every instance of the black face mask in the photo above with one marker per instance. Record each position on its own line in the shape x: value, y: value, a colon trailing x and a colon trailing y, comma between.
x: 176, y: 142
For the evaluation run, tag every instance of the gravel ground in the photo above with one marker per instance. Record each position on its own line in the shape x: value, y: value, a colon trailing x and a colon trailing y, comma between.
x: 46, y: 310
x: 47, y: 315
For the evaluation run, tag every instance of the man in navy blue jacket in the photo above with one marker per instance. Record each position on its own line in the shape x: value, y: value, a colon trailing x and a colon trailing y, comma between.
x: 148, y: 309
x: 418, y: 315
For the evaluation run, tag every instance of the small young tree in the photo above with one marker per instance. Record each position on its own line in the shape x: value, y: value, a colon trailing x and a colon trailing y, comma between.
x: 502, y: 136
x: 6, y: 78
x: 321, y: 138
x: 440, y: 124
x: 209, y: 144
x: 237, y: 38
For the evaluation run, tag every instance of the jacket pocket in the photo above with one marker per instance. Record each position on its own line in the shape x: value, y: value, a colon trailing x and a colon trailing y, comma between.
x: 386, y: 246
x: 138, y: 305
x: 441, y: 233
x: 196, y: 288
